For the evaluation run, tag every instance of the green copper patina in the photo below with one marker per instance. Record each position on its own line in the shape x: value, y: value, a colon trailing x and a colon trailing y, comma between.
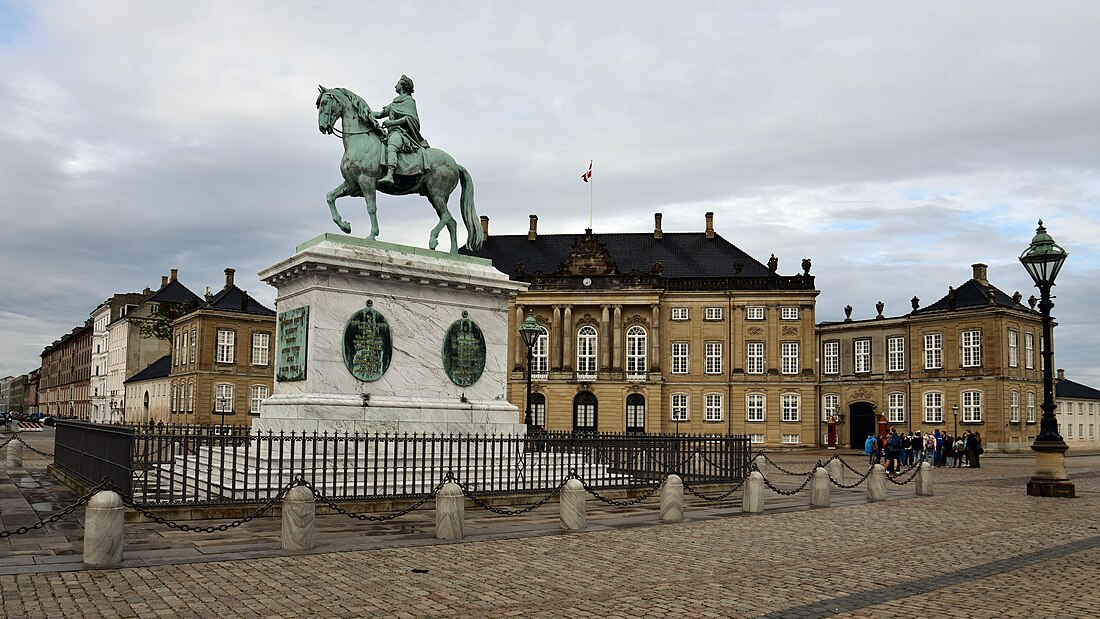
x: 368, y: 346
x: 411, y: 167
x: 464, y: 351
x: 292, y: 340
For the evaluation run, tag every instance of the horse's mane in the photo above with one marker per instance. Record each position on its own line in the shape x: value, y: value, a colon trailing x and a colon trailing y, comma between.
x: 359, y: 107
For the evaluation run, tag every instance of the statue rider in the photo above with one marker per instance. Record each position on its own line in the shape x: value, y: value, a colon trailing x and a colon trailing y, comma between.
x: 402, y: 127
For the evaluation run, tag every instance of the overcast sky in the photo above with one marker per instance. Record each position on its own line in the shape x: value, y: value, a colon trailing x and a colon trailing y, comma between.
x: 893, y: 143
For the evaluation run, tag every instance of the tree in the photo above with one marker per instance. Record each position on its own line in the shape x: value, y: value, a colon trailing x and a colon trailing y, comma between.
x: 159, y: 325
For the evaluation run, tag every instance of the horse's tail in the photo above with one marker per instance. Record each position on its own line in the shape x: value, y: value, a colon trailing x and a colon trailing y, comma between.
x: 469, y: 213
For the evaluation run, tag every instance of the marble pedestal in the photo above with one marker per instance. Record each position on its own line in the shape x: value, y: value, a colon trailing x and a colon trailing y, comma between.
x: 421, y: 293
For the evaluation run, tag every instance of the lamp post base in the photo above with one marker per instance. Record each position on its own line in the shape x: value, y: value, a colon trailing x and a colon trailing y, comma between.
x: 1050, y: 479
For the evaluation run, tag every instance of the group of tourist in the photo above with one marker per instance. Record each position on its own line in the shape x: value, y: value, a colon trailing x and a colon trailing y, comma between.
x: 897, y: 450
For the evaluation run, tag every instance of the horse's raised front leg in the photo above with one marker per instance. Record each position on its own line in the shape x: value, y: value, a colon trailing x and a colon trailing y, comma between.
x: 367, y: 185
x: 445, y: 219
x: 343, y: 189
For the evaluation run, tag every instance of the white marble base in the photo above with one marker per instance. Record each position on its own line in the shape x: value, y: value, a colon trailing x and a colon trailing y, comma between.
x: 299, y: 519
x: 450, y: 512
x: 573, y: 515
x: 104, y: 529
x: 753, y: 500
x: 876, y: 483
x: 819, y: 488
x: 672, y: 499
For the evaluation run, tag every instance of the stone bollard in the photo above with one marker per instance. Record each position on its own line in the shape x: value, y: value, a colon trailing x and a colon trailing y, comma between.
x: 876, y: 483
x: 299, y: 519
x: 760, y: 462
x: 753, y: 501
x: 672, y: 499
x: 819, y: 488
x: 14, y: 456
x: 104, y: 529
x: 836, y: 470
x: 924, y: 479
x: 573, y: 516
x: 450, y: 512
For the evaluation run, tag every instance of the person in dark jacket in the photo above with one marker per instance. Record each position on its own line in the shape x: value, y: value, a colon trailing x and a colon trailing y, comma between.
x: 974, y: 450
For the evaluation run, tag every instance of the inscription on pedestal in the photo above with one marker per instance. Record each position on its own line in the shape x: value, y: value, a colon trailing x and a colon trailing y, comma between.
x: 464, y: 352
x: 293, y: 331
x: 368, y: 346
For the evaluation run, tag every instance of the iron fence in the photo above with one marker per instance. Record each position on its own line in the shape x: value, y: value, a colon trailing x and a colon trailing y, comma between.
x: 168, y: 464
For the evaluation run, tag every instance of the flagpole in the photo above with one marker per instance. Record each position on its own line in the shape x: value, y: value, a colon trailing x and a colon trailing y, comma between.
x: 590, y: 195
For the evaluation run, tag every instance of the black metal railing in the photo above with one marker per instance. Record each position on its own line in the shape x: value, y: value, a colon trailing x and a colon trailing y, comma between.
x: 94, y: 451
x: 202, y: 464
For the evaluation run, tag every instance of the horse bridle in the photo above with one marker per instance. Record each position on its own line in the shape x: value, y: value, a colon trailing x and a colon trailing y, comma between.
x: 337, y: 132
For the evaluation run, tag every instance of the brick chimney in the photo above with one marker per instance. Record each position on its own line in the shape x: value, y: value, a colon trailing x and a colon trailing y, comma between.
x: 229, y: 277
x: 710, y: 225
x: 657, y: 232
x: 981, y: 273
x: 163, y: 281
x: 175, y: 272
x: 1061, y: 374
x: 533, y: 231
x: 484, y: 227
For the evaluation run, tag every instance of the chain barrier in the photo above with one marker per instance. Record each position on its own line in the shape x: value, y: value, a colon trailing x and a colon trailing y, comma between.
x: 785, y: 492
x: 908, y: 475
x: 368, y: 517
x: 629, y: 503
x: 27, y: 445
x: 10, y: 439
x: 783, y: 470
x: 720, y: 497
x: 82, y: 501
x: 171, y: 524
x: 511, y: 512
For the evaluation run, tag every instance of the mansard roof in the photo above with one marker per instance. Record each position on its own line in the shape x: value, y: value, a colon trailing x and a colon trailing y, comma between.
x: 1064, y: 388
x: 157, y: 369
x: 972, y: 294
x: 233, y: 299
x: 173, y: 292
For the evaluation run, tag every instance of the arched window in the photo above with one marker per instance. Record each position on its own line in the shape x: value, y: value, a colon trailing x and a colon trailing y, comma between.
x: 636, y: 366
x: 635, y: 413
x: 174, y: 395
x: 586, y: 353
x: 1031, y: 407
x: 584, y: 412
x: 540, y: 355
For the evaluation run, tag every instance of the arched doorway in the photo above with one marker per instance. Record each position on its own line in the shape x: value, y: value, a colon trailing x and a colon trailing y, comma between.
x: 584, y: 412
x: 635, y: 413
x: 538, y: 411
x: 861, y: 423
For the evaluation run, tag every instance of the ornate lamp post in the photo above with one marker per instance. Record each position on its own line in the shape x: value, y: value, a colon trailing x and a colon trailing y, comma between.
x: 221, y: 406
x: 955, y: 414
x: 1043, y: 259
x: 529, y: 331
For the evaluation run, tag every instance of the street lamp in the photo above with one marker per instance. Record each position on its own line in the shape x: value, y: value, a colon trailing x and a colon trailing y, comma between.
x: 955, y: 413
x: 1043, y: 259
x: 221, y: 406
x: 529, y: 331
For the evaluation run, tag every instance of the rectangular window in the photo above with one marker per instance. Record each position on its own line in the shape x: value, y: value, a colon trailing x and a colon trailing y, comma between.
x: 789, y: 356
x: 679, y: 313
x: 971, y: 348
x: 933, y: 407
x: 831, y: 406
x: 896, y: 407
x: 1029, y: 351
x: 1092, y: 433
x: 256, y: 396
x: 191, y: 398
x: 895, y: 353
x: 862, y: 355
x: 756, y: 439
x: 791, y: 439
x: 713, y: 313
x: 754, y: 357
x: 1031, y: 407
x: 1013, y: 348
x: 1014, y: 407
x: 679, y: 357
x: 832, y: 358
x: 175, y: 392
x: 754, y: 406
x: 260, y: 348
x: 1069, y: 430
x: 226, y: 342
x: 713, y: 357
x: 186, y: 346
x: 223, y: 398
x: 538, y: 413
x: 713, y: 410
x: 176, y: 356
x: 679, y: 407
x: 586, y: 353
x: 194, y: 342
x: 790, y: 407
x: 755, y: 312
x: 540, y: 356
x: 933, y: 351
x: 788, y: 313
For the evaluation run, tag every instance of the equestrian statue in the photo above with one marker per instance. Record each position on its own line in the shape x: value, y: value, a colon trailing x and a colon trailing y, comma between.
x: 394, y: 158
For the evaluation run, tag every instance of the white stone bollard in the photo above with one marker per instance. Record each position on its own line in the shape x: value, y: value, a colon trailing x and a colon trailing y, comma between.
x: 876, y: 483
x: 753, y: 501
x: 672, y: 499
x: 104, y: 529
x: 760, y: 462
x: 573, y: 515
x: 13, y: 458
x: 819, y: 488
x: 836, y: 470
x: 299, y: 519
x: 450, y: 512
x: 924, y: 479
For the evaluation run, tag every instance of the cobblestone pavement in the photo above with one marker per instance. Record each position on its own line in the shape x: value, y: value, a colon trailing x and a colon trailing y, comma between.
x: 978, y: 548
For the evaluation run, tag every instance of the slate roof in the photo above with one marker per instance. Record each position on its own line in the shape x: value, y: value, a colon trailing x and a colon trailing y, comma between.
x: 233, y: 299
x: 972, y: 294
x: 157, y: 369
x: 173, y: 292
x: 1074, y: 390
x: 684, y: 254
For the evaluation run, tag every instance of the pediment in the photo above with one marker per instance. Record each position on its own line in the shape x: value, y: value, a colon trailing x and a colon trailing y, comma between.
x: 588, y: 256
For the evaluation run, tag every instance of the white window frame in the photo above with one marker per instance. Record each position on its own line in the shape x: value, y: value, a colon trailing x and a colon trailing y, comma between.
x: 176, y: 356
x: 788, y: 353
x: 861, y: 355
x: 970, y: 342
x: 1013, y: 348
x: 712, y: 407
x: 713, y: 313
x: 790, y: 407
x: 540, y: 355
x: 895, y: 354
x: 191, y: 397
x: 712, y: 357
x: 227, y: 344
x: 933, y: 351
x: 256, y: 395
x: 830, y: 406
x: 755, y: 312
x: 538, y: 412
x: 788, y: 312
x: 895, y: 407
x: 680, y: 313
x: 1029, y: 351
x: 175, y: 392
x: 1031, y: 407
x: 223, y: 398
x: 194, y: 342
x: 756, y: 439
x: 261, y: 348
x: 680, y: 352
x: 790, y: 439
x: 756, y: 407
x: 678, y: 406
x: 754, y: 358
x: 1014, y: 406
x: 588, y: 340
x: 831, y: 357
x: 933, y: 407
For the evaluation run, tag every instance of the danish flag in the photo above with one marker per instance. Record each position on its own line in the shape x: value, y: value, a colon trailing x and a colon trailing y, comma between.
x: 587, y: 175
